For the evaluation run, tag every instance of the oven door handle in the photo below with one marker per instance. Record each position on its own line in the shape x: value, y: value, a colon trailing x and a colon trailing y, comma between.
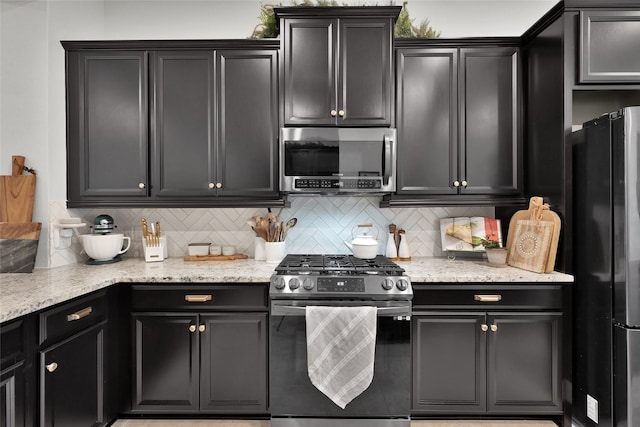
x: 297, y: 310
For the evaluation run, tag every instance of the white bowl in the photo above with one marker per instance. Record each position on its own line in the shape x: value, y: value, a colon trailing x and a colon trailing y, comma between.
x: 104, y: 247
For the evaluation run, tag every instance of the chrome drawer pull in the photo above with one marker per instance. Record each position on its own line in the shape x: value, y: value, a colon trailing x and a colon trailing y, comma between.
x: 487, y: 298
x: 51, y: 366
x: 79, y: 314
x: 198, y: 298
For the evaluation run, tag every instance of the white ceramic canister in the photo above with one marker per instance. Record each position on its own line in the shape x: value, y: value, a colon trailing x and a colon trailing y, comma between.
x: 259, y: 254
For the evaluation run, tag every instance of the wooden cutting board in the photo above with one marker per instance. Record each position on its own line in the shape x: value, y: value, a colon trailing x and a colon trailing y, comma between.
x: 533, y: 236
x: 216, y: 257
x: 17, y: 194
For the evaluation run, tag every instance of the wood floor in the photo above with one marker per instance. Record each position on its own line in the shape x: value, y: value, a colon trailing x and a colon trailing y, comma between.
x: 234, y: 423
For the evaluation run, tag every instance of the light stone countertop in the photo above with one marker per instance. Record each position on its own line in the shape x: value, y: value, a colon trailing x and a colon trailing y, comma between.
x: 24, y: 293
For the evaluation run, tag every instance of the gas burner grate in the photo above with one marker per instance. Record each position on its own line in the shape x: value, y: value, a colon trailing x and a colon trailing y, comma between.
x: 337, y: 265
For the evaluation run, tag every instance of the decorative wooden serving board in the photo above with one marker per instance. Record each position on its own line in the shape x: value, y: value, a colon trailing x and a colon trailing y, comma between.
x: 216, y: 257
x: 16, y: 198
x: 533, y: 238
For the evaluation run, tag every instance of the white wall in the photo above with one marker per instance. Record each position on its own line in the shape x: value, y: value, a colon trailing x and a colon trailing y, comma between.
x: 32, y: 104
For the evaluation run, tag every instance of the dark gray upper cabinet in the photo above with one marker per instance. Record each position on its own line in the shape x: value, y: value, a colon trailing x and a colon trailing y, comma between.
x: 489, y: 121
x: 202, y: 143
x: 172, y: 123
x: 458, y: 121
x: 107, y: 125
x: 247, y: 123
x: 337, y: 65
x: 609, y: 41
x: 427, y: 120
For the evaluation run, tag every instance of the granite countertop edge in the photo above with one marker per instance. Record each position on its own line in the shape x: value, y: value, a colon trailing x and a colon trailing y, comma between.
x: 25, y: 293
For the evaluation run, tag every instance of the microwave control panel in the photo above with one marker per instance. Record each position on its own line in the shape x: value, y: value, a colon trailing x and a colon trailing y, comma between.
x: 337, y: 183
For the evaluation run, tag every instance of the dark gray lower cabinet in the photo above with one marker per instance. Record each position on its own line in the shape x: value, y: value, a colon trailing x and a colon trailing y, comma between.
x: 200, y: 363
x: 206, y: 355
x: 503, y: 361
x: 71, y: 381
x: 13, y: 382
x: 12, y: 389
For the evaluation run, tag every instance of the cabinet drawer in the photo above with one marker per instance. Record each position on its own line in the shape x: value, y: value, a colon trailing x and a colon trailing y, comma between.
x: 68, y: 318
x: 540, y: 297
x: 236, y: 297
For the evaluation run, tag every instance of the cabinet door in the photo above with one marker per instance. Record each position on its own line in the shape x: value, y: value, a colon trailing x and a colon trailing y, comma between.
x: 234, y: 363
x: 523, y: 363
x: 427, y: 91
x: 448, y: 363
x: 489, y: 121
x: 365, y: 73
x: 166, y: 363
x: 607, y: 40
x: 12, y: 396
x: 71, y: 381
x: 247, y: 125
x: 107, y: 125
x: 183, y: 151
x: 309, y: 71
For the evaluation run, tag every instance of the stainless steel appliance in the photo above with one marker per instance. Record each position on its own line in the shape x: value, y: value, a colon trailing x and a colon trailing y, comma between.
x: 339, y: 280
x: 337, y: 160
x: 606, y: 295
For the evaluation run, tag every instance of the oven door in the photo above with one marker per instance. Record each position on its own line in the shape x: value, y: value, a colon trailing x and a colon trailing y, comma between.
x: 292, y: 395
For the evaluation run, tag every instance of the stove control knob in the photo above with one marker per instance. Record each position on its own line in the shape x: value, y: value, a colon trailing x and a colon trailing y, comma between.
x: 278, y: 283
x: 307, y: 284
x: 402, y: 284
x: 387, y: 284
x: 294, y: 284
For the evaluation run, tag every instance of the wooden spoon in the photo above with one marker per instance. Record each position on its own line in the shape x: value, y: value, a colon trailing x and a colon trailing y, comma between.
x: 262, y: 229
x: 289, y: 225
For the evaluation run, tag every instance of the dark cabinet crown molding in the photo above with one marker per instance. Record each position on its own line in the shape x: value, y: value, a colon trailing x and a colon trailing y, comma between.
x: 172, y: 44
x: 338, y: 12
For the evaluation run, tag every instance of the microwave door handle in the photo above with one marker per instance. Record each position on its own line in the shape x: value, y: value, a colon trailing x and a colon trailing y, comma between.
x: 387, y: 160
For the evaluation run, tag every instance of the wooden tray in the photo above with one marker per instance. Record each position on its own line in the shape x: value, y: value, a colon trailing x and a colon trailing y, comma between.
x: 216, y: 257
x: 548, y: 231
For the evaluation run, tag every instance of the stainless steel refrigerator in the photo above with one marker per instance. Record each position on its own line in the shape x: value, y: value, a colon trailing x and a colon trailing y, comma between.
x: 606, y: 292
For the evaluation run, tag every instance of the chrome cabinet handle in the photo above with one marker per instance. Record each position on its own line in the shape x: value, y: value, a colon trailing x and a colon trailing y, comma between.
x: 212, y: 185
x: 192, y: 328
x: 219, y: 185
x: 341, y: 113
x: 79, y: 314
x: 202, y: 328
x: 334, y: 113
x: 141, y: 186
x: 465, y: 183
x: 484, y: 327
x: 456, y: 183
x: 51, y: 366
x: 198, y: 298
x: 494, y: 328
x: 487, y: 298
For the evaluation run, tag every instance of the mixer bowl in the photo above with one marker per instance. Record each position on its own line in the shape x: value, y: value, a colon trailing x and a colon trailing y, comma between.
x: 104, y: 247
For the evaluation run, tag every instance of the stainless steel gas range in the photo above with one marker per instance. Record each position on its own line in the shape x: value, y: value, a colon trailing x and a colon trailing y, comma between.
x: 302, y: 281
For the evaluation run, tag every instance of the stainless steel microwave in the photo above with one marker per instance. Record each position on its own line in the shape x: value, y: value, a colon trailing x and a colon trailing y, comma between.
x: 337, y: 160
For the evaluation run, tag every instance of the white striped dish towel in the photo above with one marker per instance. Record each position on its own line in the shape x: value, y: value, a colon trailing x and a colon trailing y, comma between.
x: 341, y: 344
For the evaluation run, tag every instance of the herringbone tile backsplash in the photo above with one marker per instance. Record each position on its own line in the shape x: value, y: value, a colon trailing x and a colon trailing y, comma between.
x: 323, y: 224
